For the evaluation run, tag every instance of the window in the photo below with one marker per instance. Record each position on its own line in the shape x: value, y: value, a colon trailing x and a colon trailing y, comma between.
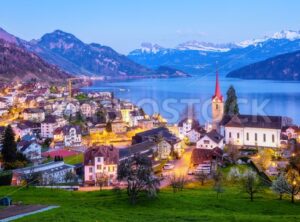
x: 217, y: 106
x: 273, y: 138
x: 247, y: 136
x: 99, y: 159
x: 255, y: 136
x: 91, y: 169
x: 99, y: 167
x: 229, y: 134
x: 206, y: 141
x: 90, y: 177
x: 238, y: 135
x: 264, y: 137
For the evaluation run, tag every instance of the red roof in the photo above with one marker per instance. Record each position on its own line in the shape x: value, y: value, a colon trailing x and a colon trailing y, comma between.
x: 217, y: 89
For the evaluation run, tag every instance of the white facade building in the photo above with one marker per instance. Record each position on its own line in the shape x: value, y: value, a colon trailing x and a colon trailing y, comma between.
x: 253, y: 131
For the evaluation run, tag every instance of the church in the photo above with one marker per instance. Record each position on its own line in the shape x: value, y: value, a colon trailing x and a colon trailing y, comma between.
x: 246, y: 131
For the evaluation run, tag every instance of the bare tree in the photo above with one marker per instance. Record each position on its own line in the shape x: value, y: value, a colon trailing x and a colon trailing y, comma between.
x: 280, y: 185
x: 218, y: 182
x: 177, y: 182
x: 101, y: 180
x: 250, y: 183
x: 201, y: 177
x: 234, y: 175
x: 232, y: 152
x: 293, y: 179
x: 138, y: 173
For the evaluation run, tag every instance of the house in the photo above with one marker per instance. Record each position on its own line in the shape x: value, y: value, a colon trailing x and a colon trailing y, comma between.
x: 101, y: 160
x: 292, y: 132
x: 36, y: 115
x: 3, y: 103
x: 210, y: 140
x: 167, y: 143
x: 147, y: 148
x: 31, y: 149
x: 88, y: 109
x: 26, y: 128
x: 253, y: 130
x: 48, y: 126
x: 134, y: 117
x: 3, y: 111
x: 194, y: 135
x: 145, y: 124
x: 118, y: 127
x: 126, y: 108
x: 206, y: 160
x: 186, y: 125
x: 72, y: 135
x: 58, y: 134
x: 71, y: 109
x: 51, y: 173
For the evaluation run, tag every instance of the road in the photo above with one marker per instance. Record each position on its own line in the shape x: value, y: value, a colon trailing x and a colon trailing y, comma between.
x: 181, y: 167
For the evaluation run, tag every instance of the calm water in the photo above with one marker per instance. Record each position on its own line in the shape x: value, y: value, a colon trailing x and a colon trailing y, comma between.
x: 170, y: 96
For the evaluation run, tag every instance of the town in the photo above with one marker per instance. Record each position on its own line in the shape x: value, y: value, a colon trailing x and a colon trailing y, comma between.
x: 56, y: 136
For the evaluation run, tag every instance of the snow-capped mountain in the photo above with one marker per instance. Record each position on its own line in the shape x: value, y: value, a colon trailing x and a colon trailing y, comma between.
x: 199, y: 58
x: 288, y: 35
x: 150, y: 48
x: 206, y: 46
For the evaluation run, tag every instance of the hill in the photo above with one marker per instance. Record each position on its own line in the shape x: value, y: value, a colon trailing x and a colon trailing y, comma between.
x: 16, y: 63
x: 282, y: 67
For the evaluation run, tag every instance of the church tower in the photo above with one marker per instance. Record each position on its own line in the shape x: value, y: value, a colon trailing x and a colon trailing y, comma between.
x: 217, y: 104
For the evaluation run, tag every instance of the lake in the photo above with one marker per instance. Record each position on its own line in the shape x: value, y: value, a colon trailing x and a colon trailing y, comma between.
x: 171, y: 97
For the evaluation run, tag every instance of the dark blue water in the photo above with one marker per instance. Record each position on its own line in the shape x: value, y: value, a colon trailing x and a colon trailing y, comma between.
x: 170, y: 96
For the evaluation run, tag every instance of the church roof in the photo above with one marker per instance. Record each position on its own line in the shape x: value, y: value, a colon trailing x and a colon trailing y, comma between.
x: 218, y: 93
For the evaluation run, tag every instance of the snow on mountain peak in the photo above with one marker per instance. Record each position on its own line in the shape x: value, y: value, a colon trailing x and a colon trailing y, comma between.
x: 205, y: 46
x: 149, y: 47
x: 284, y: 34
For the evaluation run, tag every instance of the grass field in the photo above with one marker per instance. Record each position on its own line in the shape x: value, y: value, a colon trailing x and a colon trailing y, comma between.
x: 192, y: 204
x: 74, y: 159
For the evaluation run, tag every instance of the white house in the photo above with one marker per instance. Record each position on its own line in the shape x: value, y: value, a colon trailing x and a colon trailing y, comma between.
x: 52, y: 173
x: 72, y: 135
x: 210, y: 140
x: 186, y: 125
x: 100, y: 161
x: 31, y: 149
x: 34, y: 115
x: 253, y: 131
x: 193, y: 135
x: 71, y: 109
x: 88, y: 109
x: 48, y: 126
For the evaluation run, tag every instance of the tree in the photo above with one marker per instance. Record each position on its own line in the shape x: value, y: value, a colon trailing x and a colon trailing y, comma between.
x: 177, y: 182
x: 9, y: 147
x: 234, y: 175
x: 232, y: 152
x: 70, y: 176
x: 201, y: 177
x: 138, y: 173
x: 101, y: 115
x: 280, y: 185
x: 250, y: 183
x: 108, y: 127
x: 265, y: 158
x: 32, y: 178
x: 231, y: 106
x: 101, y: 180
x: 218, y: 182
x: 293, y: 179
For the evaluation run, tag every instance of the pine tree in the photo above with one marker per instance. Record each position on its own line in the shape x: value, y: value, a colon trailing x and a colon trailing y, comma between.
x: 231, y: 106
x: 9, y: 148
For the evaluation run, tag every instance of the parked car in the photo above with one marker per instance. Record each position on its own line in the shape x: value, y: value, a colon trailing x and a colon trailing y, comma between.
x: 168, y: 166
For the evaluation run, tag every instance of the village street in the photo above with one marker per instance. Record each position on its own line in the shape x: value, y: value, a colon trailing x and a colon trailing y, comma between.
x: 181, y: 167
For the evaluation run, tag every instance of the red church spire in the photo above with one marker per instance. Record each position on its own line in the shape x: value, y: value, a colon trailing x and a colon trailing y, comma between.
x: 217, y: 89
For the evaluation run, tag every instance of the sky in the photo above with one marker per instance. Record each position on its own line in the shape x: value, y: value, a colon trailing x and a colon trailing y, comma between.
x: 125, y: 24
